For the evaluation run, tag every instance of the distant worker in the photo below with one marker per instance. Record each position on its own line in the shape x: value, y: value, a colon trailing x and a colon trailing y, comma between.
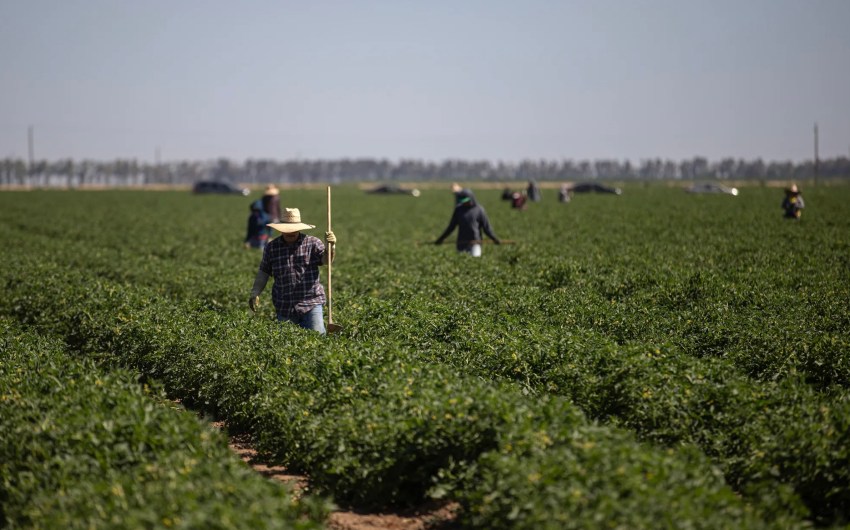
x: 533, y: 191
x: 293, y: 259
x: 470, y: 219
x: 793, y: 203
x: 518, y: 200
x: 271, y: 203
x: 565, y: 193
x: 258, y: 233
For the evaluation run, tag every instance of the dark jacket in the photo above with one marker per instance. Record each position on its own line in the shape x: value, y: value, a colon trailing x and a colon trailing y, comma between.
x: 792, y: 204
x: 470, y: 219
x: 533, y: 191
x: 257, y: 221
x: 271, y: 205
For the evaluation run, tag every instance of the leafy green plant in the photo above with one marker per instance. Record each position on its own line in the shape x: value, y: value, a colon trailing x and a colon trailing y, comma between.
x: 82, y: 448
x: 695, y: 320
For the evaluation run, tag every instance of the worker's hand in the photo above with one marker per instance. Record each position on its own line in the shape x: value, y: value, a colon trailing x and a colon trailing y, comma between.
x: 496, y: 241
x: 330, y: 238
x: 438, y: 242
x: 247, y: 245
x: 254, y: 303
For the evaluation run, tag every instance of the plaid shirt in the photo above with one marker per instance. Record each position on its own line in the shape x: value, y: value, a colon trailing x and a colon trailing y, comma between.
x: 295, y: 269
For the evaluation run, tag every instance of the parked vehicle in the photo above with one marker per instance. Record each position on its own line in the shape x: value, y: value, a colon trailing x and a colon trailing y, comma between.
x: 214, y: 186
x: 391, y: 189
x: 585, y: 187
x: 711, y: 187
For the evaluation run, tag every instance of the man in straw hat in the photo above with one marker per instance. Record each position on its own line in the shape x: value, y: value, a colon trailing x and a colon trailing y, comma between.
x: 293, y: 259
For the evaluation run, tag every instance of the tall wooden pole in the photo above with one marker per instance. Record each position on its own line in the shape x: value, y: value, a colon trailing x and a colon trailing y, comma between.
x: 330, y: 251
x: 332, y: 327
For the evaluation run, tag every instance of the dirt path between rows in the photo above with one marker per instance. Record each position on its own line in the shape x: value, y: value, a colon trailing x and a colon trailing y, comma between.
x: 432, y: 516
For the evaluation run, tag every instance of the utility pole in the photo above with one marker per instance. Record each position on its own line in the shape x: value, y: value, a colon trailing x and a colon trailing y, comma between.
x: 31, y: 160
x: 31, y: 145
x: 158, y: 169
x: 817, y: 161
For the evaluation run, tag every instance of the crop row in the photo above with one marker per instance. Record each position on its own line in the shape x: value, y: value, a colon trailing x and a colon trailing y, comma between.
x: 85, y: 448
x: 372, y: 426
x: 774, y: 299
x: 684, y: 335
x: 760, y: 433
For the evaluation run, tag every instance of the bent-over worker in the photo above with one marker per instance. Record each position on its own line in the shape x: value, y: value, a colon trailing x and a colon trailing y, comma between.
x: 470, y: 219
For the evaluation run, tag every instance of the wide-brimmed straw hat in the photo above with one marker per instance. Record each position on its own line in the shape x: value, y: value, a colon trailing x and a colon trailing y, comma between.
x: 290, y: 222
x: 271, y: 189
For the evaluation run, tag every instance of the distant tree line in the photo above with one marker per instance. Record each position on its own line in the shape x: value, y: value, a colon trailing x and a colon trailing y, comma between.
x: 71, y: 173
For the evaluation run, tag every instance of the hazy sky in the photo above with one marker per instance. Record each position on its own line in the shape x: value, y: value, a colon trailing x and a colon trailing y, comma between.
x: 430, y: 79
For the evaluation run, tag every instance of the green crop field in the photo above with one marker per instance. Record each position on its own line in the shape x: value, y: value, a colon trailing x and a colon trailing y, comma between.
x: 655, y: 359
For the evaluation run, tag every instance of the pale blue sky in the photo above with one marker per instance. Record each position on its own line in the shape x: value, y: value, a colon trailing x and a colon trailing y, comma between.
x: 430, y: 80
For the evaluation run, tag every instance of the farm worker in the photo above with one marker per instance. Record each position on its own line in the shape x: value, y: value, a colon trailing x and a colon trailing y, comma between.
x: 533, y: 191
x: 470, y: 219
x: 565, y: 193
x: 518, y: 199
x: 271, y: 202
x: 258, y: 234
x: 793, y: 202
x: 293, y: 259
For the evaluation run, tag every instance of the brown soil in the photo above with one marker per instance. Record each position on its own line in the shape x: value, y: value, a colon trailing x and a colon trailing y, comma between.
x: 431, y: 516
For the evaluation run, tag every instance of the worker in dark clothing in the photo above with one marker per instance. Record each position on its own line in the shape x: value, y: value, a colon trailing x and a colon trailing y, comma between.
x: 470, y: 219
x: 518, y: 200
x: 793, y: 203
x: 533, y: 191
x: 271, y: 203
x: 258, y: 234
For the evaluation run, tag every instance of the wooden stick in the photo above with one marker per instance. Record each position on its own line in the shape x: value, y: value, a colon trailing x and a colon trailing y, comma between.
x: 486, y: 241
x: 330, y: 264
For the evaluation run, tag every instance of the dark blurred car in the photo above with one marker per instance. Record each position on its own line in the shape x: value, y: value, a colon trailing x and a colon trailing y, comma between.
x: 397, y: 190
x: 585, y: 187
x: 213, y: 186
x: 711, y: 187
